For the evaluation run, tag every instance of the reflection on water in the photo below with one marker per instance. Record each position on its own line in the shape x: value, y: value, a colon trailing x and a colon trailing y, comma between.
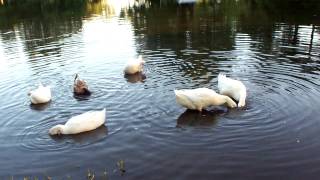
x: 186, y: 1
x: 40, y: 107
x: 81, y: 97
x: 85, y: 138
x: 196, y: 118
x: 272, y: 46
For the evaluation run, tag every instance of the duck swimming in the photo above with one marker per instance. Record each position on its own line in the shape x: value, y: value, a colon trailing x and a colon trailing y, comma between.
x: 200, y: 98
x: 40, y: 95
x: 81, y: 123
x: 80, y: 87
x: 134, y: 66
x: 232, y: 88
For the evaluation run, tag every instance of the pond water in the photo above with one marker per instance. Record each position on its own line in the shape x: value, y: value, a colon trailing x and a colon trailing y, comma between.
x: 273, y: 47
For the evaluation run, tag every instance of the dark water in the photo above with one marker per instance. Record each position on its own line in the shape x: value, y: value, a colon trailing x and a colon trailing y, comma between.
x: 273, y: 47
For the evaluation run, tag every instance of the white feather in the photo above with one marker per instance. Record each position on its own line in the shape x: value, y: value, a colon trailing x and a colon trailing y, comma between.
x: 134, y: 66
x: 200, y: 98
x: 81, y: 123
x: 232, y: 88
x: 40, y: 95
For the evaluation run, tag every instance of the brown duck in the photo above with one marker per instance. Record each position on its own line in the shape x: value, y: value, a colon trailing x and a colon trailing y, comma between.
x: 80, y: 87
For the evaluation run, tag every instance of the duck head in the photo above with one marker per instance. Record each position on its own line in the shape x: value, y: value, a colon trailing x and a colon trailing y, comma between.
x: 57, y: 130
x: 242, y: 100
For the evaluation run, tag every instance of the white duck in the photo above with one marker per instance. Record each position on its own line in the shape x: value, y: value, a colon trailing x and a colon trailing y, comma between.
x: 135, y: 65
x: 81, y: 123
x: 199, y: 98
x: 40, y: 95
x: 232, y: 88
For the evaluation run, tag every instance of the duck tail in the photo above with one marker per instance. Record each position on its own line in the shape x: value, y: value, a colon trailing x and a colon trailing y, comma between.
x: 177, y: 92
x: 76, y: 77
x: 140, y: 59
x: 180, y: 94
x: 103, y: 113
x: 221, y: 77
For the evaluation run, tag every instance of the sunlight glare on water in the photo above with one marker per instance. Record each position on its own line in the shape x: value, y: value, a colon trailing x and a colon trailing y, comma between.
x: 273, y: 50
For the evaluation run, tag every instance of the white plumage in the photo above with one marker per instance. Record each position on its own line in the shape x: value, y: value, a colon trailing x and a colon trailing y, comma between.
x: 200, y: 98
x: 40, y: 95
x: 134, y: 66
x: 232, y: 88
x: 81, y: 123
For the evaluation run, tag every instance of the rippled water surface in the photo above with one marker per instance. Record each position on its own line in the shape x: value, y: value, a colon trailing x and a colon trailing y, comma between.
x: 273, y: 49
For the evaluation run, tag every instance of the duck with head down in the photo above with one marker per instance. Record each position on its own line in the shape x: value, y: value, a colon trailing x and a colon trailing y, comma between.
x: 84, y: 122
x: 199, y: 98
x: 134, y: 66
x: 80, y: 87
x: 232, y: 88
x: 40, y: 95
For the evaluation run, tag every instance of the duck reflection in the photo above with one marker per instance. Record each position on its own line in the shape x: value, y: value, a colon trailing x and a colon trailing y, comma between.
x: 195, y: 118
x: 86, y: 137
x: 134, y: 78
x: 82, y: 97
x: 40, y: 107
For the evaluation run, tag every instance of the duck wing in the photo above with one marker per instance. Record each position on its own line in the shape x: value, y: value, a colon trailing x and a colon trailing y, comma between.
x: 194, y: 98
x: 184, y: 99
